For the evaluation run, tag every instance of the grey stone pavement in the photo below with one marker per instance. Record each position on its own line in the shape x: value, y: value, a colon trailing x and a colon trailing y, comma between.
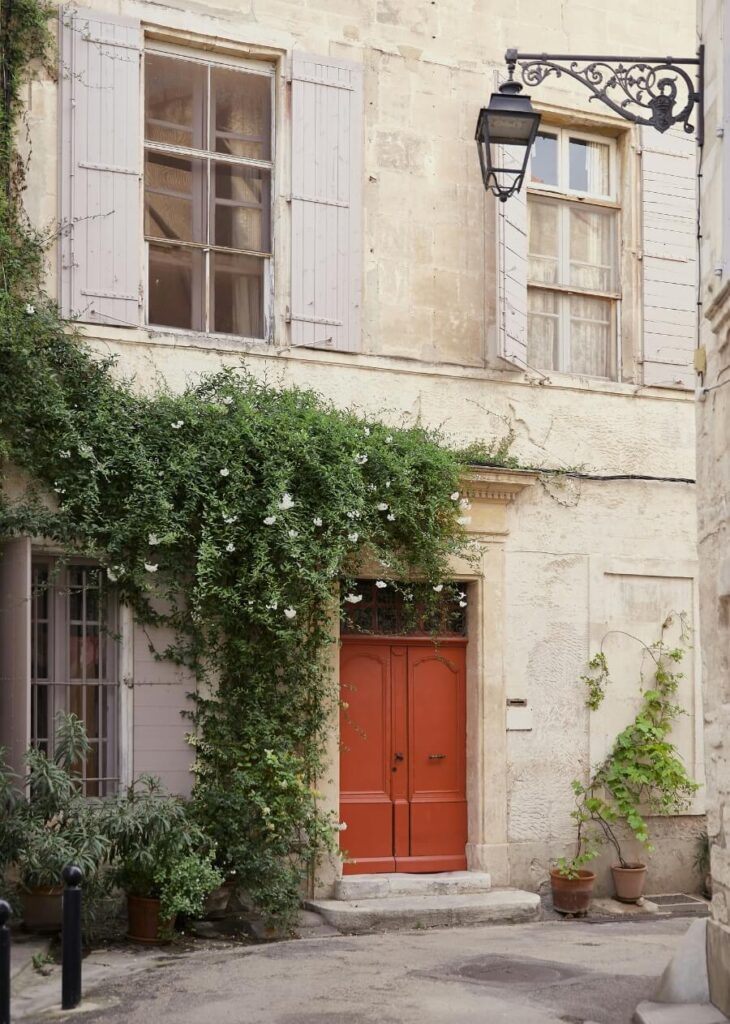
x: 567, y: 971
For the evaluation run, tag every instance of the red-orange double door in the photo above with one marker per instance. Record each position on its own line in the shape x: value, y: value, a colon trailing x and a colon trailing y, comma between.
x: 402, y: 755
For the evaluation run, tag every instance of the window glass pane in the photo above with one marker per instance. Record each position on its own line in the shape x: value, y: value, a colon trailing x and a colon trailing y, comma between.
x: 242, y: 114
x: 542, y: 328
x: 589, y: 167
x: 242, y: 204
x: 174, y: 197
x: 590, y: 336
x: 544, y: 159
x: 237, y: 299
x: 543, y: 241
x: 176, y: 287
x: 175, y: 101
x: 592, y: 249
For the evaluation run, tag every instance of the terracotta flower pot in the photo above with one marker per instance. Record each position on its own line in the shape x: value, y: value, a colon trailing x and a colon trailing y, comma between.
x: 42, y: 908
x: 572, y: 895
x: 144, y: 922
x: 629, y: 882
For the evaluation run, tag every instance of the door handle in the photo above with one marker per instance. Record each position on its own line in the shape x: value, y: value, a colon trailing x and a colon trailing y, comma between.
x: 399, y: 757
x: 436, y: 757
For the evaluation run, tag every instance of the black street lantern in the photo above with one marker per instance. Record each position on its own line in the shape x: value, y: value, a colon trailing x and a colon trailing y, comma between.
x: 505, y: 132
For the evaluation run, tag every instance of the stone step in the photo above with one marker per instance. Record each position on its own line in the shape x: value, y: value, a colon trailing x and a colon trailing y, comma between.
x: 445, y: 883
x: 498, y: 906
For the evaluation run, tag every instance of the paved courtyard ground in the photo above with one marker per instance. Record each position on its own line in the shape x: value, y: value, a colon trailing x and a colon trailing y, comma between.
x: 565, y: 971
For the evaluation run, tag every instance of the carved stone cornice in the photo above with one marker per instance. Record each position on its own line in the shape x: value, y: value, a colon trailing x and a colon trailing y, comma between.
x: 496, y: 485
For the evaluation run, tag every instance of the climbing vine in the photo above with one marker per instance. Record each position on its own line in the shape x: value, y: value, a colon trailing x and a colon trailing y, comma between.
x: 230, y: 513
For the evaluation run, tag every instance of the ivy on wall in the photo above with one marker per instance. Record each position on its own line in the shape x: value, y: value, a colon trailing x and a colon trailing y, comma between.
x: 231, y: 513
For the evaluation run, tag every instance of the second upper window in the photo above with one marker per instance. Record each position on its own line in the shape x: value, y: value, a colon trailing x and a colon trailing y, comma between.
x: 573, y: 281
x: 208, y: 167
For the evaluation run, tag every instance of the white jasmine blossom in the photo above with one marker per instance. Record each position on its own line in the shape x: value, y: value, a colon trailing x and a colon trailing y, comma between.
x: 269, y: 520
x: 227, y: 400
x: 361, y: 459
x: 387, y: 483
x: 65, y: 454
x: 230, y: 548
x: 389, y: 439
x: 372, y: 487
x: 153, y: 539
x: 455, y: 496
x: 293, y: 533
x: 366, y: 431
x: 291, y: 613
x: 341, y: 826
x: 225, y: 471
x: 408, y: 596
x: 465, y: 504
x: 438, y: 587
x: 353, y: 537
x: 461, y: 595
x: 286, y: 501
x: 380, y: 584
x: 60, y: 490
x: 150, y: 567
x: 113, y: 575
x: 230, y: 519
x: 382, y: 506
x: 462, y: 604
x: 353, y: 598
x: 273, y: 606
x: 390, y: 517
x: 317, y: 521
x: 30, y: 309
x: 177, y: 424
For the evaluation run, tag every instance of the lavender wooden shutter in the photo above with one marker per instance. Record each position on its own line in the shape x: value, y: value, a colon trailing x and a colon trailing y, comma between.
x: 326, y: 203
x: 101, y: 239
x: 512, y: 277
x: 15, y: 582
x: 669, y: 257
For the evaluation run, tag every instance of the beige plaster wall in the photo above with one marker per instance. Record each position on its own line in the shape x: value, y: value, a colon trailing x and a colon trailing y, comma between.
x: 545, y: 594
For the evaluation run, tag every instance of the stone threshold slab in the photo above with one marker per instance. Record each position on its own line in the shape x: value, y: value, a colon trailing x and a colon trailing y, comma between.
x: 678, y: 1013
x: 387, y: 885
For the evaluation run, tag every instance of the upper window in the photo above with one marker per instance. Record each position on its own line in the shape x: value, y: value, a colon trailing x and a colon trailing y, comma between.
x: 74, y: 665
x: 573, y: 287
x: 208, y: 167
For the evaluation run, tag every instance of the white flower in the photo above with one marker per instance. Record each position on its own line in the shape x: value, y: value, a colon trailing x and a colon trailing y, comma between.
x: 269, y: 520
x: 390, y: 517
x: 65, y: 454
x: 372, y: 487
x: 382, y: 506
x: 230, y: 519
x: 380, y: 584
x: 273, y: 606
x: 60, y: 490
x: 150, y: 568
x: 463, y: 520
x: 293, y: 533
x: 389, y: 439
x: 291, y: 613
x: 113, y: 576
x: 455, y: 496
x: 161, y: 472
x: 465, y: 504
x: 227, y: 400
x: 153, y: 539
x: 250, y: 603
x: 177, y: 424
x: 387, y: 483
x: 361, y: 459
x: 230, y: 548
x: 353, y: 598
x: 317, y: 521
x: 438, y: 587
x: 461, y: 595
x: 353, y: 537
x: 341, y: 826
x: 408, y: 596
x: 366, y: 431
x: 30, y: 310
x: 286, y: 501
x: 462, y: 604
x: 225, y: 471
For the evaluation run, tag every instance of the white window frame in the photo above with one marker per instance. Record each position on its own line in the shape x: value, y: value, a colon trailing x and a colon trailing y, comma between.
x: 567, y: 197
x: 266, y: 68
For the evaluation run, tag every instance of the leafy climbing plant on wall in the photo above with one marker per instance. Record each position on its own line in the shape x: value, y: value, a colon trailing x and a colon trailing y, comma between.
x: 230, y: 512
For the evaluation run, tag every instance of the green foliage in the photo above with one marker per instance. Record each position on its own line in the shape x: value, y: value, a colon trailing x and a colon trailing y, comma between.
x: 643, y: 773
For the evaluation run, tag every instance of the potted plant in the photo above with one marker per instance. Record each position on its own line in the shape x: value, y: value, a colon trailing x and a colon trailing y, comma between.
x: 163, y: 859
x: 571, y: 880
x: 643, y: 773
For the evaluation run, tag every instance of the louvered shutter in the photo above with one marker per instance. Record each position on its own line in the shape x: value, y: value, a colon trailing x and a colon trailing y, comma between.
x: 512, y: 275
x: 15, y: 582
x: 669, y: 257
x: 326, y: 203
x: 101, y: 240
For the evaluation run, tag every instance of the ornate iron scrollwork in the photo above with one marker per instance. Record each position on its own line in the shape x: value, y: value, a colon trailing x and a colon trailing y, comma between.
x: 652, y: 91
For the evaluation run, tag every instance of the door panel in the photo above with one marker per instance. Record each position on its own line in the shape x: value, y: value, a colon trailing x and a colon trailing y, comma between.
x: 365, y: 751
x: 403, y: 756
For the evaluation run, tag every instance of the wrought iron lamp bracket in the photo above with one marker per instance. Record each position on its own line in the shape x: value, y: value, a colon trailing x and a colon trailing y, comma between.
x: 655, y: 91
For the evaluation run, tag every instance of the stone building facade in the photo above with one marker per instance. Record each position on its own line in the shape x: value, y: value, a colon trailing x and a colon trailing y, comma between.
x: 297, y: 185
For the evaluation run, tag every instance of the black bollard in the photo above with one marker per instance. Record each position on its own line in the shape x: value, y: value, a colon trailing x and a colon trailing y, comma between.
x: 71, y: 939
x: 4, y: 963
